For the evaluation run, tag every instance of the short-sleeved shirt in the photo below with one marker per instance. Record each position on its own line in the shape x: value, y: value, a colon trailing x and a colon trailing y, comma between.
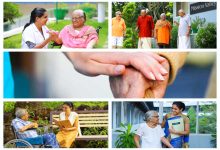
x: 33, y: 35
x: 145, y: 25
x: 184, y: 23
x: 118, y: 27
x: 151, y: 137
x: 18, y: 124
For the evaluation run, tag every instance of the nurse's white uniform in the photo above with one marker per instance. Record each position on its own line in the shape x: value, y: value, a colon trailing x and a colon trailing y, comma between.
x: 33, y: 35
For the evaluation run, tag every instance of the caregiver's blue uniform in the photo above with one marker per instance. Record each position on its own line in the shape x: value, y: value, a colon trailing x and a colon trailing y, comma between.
x: 8, y: 78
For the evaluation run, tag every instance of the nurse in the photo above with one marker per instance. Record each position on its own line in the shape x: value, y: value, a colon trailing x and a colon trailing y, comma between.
x: 35, y: 33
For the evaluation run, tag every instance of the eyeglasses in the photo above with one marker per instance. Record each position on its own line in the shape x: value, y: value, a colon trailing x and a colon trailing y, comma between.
x: 155, y: 116
x: 77, y: 18
x: 120, y: 14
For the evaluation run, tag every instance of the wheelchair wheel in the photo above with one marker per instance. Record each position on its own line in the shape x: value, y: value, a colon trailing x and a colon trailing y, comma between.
x: 18, y: 143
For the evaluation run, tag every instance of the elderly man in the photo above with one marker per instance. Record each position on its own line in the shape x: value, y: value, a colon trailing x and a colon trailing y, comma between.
x: 145, y: 25
x: 150, y: 132
x: 118, y: 30
x: 184, y: 30
x: 22, y: 128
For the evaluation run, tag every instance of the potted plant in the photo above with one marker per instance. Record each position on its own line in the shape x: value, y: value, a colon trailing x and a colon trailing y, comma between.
x: 60, y: 11
x: 126, y: 137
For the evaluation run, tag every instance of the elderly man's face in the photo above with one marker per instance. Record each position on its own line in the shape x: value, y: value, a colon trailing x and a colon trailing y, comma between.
x: 25, y: 117
x: 181, y: 14
x: 118, y: 15
x: 143, y: 13
x: 77, y: 20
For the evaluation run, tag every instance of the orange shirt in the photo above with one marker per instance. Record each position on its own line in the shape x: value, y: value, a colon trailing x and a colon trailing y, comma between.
x: 163, y: 29
x: 118, y: 27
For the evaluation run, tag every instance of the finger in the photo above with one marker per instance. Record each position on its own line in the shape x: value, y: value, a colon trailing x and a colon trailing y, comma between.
x: 96, y: 68
x: 157, y: 57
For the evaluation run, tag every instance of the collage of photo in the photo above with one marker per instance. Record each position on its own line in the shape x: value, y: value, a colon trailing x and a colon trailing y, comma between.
x: 109, y: 74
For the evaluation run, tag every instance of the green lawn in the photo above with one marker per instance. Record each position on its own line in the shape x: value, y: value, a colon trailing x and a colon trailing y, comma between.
x: 15, y: 41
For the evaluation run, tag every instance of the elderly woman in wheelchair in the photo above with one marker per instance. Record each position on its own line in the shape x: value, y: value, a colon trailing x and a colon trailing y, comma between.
x: 77, y: 34
x: 26, y: 130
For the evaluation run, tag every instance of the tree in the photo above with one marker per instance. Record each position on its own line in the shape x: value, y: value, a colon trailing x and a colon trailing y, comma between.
x: 192, y: 117
x: 11, y: 11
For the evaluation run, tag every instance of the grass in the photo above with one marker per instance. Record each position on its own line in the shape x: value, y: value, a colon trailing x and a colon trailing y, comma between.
x: 15, y: 41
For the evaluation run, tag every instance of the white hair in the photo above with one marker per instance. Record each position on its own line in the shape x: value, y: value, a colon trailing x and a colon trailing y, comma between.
x: 147, y: 10
x: 163, y: 14
x: 79, y: 11
x: 20, y: 112
x: 117, y: 12
x: 149, y: 114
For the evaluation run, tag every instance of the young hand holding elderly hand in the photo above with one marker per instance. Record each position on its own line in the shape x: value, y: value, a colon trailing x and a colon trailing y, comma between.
x: 133, y: 72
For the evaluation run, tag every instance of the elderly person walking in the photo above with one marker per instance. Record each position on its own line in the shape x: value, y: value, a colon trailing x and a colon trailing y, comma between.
x: 22, y: 128
x: 145, y: 25
x: 118, y: 30
x: 184, y: 25
x: 162, y: 32
x: 150, y: 132
x: 77, y: 34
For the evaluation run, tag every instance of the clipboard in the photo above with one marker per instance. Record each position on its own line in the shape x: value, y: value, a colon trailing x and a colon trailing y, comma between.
x: 177, y: 125
x: 64, y: 124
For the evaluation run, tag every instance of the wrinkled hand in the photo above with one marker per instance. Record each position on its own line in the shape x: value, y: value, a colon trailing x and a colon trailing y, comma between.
x: 132, y: 84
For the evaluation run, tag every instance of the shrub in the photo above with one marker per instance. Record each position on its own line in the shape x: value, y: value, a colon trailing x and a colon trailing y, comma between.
x: 89, y: 9
x: 174, y: 34
x: 206, y: 36
x: 9, y: 106
x: 197, y: 23
x: 11, y: 11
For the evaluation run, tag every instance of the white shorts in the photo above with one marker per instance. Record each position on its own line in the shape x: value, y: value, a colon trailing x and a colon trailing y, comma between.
x: 144, y: 43
x: 184, y: 42
x: 117, y: 41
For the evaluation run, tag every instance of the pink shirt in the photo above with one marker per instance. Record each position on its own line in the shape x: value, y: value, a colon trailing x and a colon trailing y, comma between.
x: 77, y: 39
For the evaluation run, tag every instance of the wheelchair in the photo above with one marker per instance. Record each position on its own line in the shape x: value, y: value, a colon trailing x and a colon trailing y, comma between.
x: 36, y: 142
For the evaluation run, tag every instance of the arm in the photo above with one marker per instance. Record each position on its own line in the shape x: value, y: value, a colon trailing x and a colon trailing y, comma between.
x: 31, y: 125
x: 137, y: 140
x: 164, y: 121
x: 91, y: 44
x: 166, y: 142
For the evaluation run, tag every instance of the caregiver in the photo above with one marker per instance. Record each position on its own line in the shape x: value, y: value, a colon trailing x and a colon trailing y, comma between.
x: 35, y: 33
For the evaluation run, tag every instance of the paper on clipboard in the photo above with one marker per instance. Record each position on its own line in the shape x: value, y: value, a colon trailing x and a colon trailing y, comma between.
x: 64, y: 124
x: 176, y: 124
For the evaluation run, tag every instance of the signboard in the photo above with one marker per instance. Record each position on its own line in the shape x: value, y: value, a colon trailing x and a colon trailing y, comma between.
x: 202, y: 7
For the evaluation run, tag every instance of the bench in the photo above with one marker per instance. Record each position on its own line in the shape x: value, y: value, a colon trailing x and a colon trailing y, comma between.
x: 87, y: 119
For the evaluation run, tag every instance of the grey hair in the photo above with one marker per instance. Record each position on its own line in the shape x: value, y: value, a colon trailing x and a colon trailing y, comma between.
x: 20, y: 112
x: 117, y: 12
x: 149, y: 114
x: 163, y: 14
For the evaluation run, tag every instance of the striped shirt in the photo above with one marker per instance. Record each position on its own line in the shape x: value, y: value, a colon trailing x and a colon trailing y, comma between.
x: 18, y: 124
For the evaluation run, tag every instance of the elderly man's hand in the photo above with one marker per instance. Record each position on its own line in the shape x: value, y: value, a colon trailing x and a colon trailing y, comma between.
x: 132, y: 84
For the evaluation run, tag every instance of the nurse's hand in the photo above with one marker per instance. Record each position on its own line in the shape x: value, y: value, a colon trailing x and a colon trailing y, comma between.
x: 114, y: 63
x: 53, y: 35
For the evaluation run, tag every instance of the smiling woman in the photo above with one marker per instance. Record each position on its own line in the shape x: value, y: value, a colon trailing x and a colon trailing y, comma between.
x: 35, y: 33
x: 78, y: 35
